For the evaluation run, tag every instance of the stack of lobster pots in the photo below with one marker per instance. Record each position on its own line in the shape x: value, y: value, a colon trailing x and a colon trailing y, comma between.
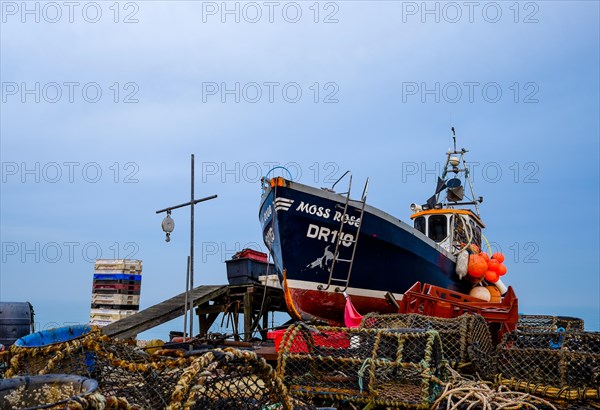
x: 116, y: 290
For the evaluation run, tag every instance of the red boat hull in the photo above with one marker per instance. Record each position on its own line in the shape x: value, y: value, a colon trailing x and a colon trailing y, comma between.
x: 330, y: 305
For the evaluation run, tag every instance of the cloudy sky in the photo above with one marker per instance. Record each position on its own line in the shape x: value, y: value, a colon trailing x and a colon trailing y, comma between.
x: 103, y: 103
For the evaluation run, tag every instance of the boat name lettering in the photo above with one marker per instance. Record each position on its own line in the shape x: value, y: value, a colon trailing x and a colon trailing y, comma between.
x: 314, y: 210
x: 267, y: 214
x: 269, y: 237
x: 323, y: 233
x: 350, y: 220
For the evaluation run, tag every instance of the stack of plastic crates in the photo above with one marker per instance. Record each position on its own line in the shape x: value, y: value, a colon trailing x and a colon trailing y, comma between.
x: 116, y: 290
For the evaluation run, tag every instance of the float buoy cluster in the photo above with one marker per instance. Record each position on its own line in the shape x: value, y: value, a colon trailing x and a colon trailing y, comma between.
x: 482, y: 266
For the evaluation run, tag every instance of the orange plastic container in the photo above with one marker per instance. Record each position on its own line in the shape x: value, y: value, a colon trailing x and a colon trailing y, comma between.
x: 435, y: 301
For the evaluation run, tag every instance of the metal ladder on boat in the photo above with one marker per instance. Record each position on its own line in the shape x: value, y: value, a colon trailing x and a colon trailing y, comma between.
x: 340, y: 239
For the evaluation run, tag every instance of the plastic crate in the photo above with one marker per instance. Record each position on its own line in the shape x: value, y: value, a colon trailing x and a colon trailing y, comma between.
x: 118, y: 282
x: 100, y: 323
x: 435, y: 301
x: 117, y: 276
x: 121, y: 265
x: 243, y: 271
x: 115, y: 299
x: 109, y: 288
x: 110, y: 315
x: 251, y: 254
x: 116, y: 307
x: 323, y: 339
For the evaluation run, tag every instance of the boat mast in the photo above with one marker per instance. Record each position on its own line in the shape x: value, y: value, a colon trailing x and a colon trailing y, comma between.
x: 452, y: 165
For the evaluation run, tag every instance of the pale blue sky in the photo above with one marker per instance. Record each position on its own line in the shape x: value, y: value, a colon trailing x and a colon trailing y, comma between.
x: 542, y: 133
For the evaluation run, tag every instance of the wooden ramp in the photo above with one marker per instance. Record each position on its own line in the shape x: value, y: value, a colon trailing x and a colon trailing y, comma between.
x: 161, y: 312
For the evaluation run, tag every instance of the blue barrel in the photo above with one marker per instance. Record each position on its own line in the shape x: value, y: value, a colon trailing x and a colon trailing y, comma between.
x: 35, y: 395
x: 16, y: 320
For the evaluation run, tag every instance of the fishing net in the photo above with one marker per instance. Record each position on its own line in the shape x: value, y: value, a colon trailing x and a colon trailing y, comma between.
x: 56, y: 391
x: 561, y: 365
x: 392, y: 368
x: 459, y: 336
x: 540, y: 323
x: 4, y: 361
x: 212, y: 379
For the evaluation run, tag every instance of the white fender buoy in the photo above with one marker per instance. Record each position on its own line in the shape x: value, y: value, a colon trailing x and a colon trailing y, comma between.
x: 501, y: 286
x: 481, y: 292
x: 462, y: 263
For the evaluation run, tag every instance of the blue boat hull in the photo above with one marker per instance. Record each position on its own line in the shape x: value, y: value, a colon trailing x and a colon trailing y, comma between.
x: 300, y: 227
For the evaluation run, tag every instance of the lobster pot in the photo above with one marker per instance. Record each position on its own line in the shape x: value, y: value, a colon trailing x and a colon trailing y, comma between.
x: 563, y: 365
x: 132, y: 379
x: 36, y: 349
x: 116, y: 290
x: 541, y: 323
x: 460, y: 336
x: 380, y: 367
x: 47, y: 391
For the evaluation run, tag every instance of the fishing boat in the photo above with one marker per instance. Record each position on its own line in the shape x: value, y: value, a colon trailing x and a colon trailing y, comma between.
x: 325, y: 244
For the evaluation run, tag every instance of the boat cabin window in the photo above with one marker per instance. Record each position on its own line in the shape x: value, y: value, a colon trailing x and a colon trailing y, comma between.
x: 438, y: 227
x: 420, y: 224
x: 476, y: 233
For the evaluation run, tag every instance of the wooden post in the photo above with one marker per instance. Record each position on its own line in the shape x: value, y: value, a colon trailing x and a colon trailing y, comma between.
x: 265, y: 322
x: 248, y: 315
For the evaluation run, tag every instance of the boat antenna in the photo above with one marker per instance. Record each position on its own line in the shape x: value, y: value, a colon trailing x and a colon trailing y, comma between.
x: 454, y: 138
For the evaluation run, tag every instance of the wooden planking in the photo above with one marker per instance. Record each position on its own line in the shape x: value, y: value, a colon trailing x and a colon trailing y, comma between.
x: 161, y: 312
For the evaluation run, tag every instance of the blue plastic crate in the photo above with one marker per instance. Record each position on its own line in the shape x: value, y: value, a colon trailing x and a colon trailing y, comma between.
x: 119, y: 276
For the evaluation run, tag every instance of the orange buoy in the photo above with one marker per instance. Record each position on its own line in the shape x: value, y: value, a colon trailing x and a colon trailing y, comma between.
x: 492, y: 276
x: 498, y: 256
x: 477, y: 266
x: 493, y: 265
x: 495, y: 296
x: 502, y: 269
x: 485, y: 256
